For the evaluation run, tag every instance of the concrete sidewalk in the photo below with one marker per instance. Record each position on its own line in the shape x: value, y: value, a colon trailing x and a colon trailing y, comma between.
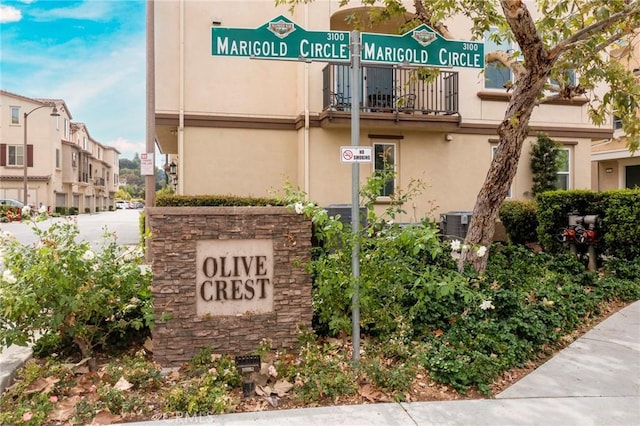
x: 594, y: 381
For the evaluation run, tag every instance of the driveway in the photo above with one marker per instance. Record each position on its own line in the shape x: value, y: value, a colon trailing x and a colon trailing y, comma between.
x: 125, y: 224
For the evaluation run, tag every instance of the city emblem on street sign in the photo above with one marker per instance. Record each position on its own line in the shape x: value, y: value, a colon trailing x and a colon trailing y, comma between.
x: 281, y: 28
x: 424, y: 37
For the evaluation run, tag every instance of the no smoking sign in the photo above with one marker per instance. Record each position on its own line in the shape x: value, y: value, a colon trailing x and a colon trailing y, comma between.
x: 355, y: 154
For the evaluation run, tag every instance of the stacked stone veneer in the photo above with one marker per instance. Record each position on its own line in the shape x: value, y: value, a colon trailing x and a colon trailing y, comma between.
x: 179, y: 332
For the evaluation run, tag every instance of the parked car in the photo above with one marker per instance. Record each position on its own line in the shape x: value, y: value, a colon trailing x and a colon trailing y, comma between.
x: 122, y: 205
x: 136, y: 205
x: 9, y: 202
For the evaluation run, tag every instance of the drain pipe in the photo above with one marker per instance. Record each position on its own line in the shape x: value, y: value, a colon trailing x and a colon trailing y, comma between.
x: 306, y: 131
x: 181, y: 105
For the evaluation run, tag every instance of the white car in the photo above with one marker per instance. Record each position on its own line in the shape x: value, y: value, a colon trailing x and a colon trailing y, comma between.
x: 10, y: 202
x: 122, y: 205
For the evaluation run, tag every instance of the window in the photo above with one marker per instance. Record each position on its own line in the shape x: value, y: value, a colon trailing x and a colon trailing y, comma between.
x: 57, y: 158
x: 617, y: 122
x: 493, y: 154
x: 85, y: 145
x: 563, y: 181
x: 66, y: 129
x: 496, y: 75
x: 15, y: 155
x: 384, y: 164
x: 74, y: 159
x: 15, y: 115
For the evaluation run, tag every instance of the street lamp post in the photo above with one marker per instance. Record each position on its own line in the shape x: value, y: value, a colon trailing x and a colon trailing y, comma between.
x: 54, y: 113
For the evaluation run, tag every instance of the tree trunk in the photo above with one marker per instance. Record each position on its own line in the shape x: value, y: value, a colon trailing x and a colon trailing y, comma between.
x: 512, y: 132
x: 86, y: 351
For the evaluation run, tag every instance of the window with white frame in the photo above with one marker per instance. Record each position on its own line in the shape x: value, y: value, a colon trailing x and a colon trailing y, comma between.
x: 496, y: 75
x: 564, y: 169
x: 74, y: 159
x: 617, y: 122
x: 66, y: 129
x: 15, y: 115
x: 85, y: 144
x: 384, y: 164
x: 15, y: 155
x: 494, y: 148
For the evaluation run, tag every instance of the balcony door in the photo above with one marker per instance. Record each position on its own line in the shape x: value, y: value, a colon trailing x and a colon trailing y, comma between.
x: 376, y: 86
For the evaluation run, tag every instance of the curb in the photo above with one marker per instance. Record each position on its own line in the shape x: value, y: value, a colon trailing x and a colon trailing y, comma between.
x: 11, y: 359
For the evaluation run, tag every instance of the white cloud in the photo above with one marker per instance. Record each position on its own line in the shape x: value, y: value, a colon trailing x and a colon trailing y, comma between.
x: 90, y: 10
x: 126, y: 147
x: 9, y: 14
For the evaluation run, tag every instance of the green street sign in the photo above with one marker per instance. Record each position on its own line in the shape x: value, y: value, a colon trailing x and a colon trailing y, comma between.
x: 421, y: 46
x: 281, y: 38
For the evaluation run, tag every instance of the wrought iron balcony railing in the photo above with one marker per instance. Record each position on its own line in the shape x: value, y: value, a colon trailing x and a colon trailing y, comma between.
x: 392, y: 89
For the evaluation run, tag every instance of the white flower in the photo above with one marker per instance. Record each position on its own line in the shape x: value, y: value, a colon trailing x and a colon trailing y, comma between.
x: 455, y: 245
x: 8, y: 236
x: 298, y: 207
x: 26, y: 210
x: 88, y: 255
x: 487, y: 304
x: 8, y: 276
x: 272, y: 371
x: 482, y: 250
x: 455, y: 254
x: 42, y: 209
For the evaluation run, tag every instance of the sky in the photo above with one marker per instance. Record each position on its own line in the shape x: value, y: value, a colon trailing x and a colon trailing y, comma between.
x: 90, y: 53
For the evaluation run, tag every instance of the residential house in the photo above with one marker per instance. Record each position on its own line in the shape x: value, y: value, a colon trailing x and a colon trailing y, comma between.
x: 65, y: 166
x: 613, y: 165
x: 236, y: 125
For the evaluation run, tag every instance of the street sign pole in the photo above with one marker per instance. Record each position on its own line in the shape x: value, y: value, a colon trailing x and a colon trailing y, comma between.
x: 355, y: 192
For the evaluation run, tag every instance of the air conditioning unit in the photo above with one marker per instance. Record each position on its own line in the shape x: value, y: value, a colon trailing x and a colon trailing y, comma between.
x: 455, y: 224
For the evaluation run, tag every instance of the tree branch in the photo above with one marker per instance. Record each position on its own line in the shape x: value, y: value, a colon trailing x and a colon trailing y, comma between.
x: 425, y: 17
x: 596, y: 27
x: 505, y: 59
x: 525, y: 33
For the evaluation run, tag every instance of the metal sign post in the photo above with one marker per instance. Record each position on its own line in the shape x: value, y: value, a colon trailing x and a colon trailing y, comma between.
x: 355, y: 193
x: 282, y: 39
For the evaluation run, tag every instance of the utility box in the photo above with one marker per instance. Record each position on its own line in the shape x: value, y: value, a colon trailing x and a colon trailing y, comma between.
x: 455, y: 223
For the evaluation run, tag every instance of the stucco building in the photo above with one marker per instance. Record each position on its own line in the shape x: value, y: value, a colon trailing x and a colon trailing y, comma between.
x: 614, y: 166
x: 235, y: 125
x: 66, y: 167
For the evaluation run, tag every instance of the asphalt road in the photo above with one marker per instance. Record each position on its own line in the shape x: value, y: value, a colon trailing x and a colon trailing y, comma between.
x: 91, y: 226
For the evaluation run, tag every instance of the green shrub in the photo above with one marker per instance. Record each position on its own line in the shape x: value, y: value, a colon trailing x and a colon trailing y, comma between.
x: 520, y: 221
x: 544, y: 164
x: 169, y: 200
x: 622, y: 223
x: 61, y: 210
x: 64, y: 287
x: 73, y: 211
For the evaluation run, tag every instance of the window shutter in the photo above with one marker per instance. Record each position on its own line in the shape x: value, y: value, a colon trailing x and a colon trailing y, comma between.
x: 3, y: 154
x: 29, y: 155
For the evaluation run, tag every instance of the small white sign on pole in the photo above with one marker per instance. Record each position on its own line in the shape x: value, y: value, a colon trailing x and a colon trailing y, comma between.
x: 146, y: 164
x: 356, y: 154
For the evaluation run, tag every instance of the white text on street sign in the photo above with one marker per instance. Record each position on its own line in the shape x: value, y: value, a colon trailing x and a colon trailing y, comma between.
x: 356, y: 154
x: 422, y: 46
x: 280, y: 39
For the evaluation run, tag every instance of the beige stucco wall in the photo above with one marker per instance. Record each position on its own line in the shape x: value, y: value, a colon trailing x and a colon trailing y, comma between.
x: 239, y: 161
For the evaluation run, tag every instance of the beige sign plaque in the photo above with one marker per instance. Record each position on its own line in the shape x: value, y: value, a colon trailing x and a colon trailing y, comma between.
x: 234, y: 277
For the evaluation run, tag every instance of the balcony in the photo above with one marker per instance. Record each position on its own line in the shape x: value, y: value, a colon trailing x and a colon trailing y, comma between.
x: 401, y: 93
